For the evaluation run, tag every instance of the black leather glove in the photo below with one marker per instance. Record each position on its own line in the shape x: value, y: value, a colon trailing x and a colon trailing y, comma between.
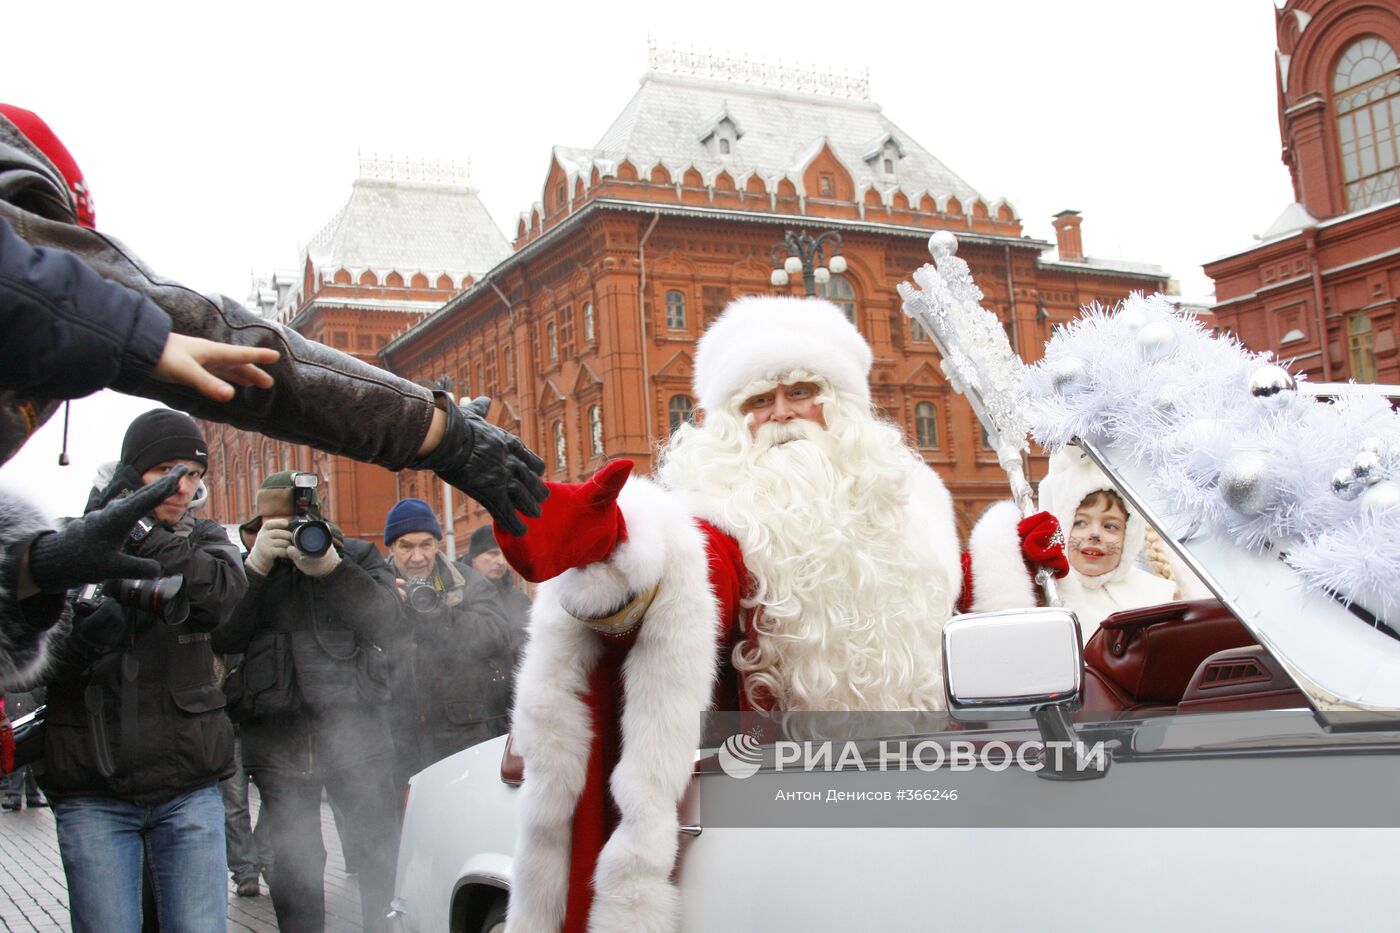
x: 89, y: 549
x: 489, y: 464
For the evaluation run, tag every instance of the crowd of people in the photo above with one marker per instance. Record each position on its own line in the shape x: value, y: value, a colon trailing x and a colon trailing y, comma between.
x: 791, y: 552
x: 178, y: 663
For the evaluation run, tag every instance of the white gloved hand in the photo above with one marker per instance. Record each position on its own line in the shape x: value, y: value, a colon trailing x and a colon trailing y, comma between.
x: 315, y: 566
x: 272, y: 543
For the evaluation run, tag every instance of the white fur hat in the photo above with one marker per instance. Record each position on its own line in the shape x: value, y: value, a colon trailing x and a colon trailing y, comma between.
x: 1071, y: 479
x: 765, y: 337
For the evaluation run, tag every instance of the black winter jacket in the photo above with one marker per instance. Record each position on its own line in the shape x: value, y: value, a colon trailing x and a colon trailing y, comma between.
x: 156, y: 697
x: 68, y: 331
x: 313, y: 690
x: 453, y: 670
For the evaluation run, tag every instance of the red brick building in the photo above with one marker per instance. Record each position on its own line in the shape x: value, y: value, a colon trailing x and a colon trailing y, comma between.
x: 1321, y: 288
x: 585, y: 334
x: 410, y: 236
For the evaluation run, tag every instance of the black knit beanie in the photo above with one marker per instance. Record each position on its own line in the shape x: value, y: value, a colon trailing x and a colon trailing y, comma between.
x: 162, y: 435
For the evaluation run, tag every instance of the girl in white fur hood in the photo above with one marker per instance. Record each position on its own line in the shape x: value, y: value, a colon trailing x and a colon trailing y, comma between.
x: 1104, y: 541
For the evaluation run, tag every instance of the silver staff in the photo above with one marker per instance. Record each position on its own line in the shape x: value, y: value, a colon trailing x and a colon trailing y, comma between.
x: 978, y: 362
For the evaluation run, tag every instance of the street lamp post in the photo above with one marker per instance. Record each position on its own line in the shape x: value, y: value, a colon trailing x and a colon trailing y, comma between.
x: 805, y: 254
x: 449, y: 521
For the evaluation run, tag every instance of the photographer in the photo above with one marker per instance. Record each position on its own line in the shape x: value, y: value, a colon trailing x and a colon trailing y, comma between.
x: 136, y: 738
x: 454, y: 661
x: 73, y: 328
x: 311, y: 698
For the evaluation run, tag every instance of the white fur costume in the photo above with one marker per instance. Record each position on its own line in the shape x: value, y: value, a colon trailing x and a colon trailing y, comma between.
x: 1073, y: 477
x: 669, y: 672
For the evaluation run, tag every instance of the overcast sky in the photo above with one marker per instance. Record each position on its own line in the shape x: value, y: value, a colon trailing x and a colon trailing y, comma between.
x: 217, y: 139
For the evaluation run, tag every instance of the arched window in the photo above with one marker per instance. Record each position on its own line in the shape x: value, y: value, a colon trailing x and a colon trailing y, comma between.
x: 1361, y: 347
x: 595, y: 429
x: 1366, y: 96
x: 254, y: 481
x: 679, y: 410
x: 838, y: 291
x: 240, y: 511
x: 561, y: 454
x: 588, y: 321
x: 675, y: 310
x: 917, y: 334
x: 552, y: 337
x: 926, y: 424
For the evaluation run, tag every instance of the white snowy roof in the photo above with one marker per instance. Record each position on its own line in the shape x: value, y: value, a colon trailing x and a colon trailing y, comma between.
x: 1294, y: 217
x: 1051, y: 257
x: 409, y: 225
x: 779, y: 131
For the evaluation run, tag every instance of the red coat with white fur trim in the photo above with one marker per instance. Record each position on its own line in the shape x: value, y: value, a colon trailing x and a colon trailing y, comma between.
x: 599, y: 829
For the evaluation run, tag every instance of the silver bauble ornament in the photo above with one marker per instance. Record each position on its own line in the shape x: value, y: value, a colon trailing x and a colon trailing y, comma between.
x: 1272, y: 383
x: 1156, y: 341
x: 1381, y: 497
x: 942, y: 244
x: 1068, y: 373
x: 1131, y: 318
x: 1366, y: 468
x: 1245, y: 484
x: 1345, y: 486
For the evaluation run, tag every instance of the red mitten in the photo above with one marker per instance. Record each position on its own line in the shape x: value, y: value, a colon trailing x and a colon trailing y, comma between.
x: 1042, y: 545
x: 579, y: 524
x: 965, y: 597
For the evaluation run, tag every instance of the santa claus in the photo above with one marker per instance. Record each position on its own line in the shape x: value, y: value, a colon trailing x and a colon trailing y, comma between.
x: 791, y: 553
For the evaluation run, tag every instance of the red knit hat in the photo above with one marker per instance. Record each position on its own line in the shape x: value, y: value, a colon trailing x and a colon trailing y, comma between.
x: 43, y: 138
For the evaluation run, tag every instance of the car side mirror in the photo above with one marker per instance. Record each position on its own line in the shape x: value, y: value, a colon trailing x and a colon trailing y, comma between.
x: 1010, y: 664
x: 1021, y: 664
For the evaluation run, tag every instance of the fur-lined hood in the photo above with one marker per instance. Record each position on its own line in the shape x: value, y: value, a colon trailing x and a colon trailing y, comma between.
x: 1073, y: 476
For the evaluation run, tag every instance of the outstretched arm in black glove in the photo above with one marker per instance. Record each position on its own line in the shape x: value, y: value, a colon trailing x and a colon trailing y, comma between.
x: 89, y: 549
x: 488, y: 463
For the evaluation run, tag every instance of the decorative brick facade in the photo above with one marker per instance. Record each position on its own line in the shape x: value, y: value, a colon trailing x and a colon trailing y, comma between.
x: 584, y: 336
x: 1322, y: 287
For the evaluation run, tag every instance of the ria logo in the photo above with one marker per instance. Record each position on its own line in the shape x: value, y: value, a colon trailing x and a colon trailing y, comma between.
x: 740, y: 756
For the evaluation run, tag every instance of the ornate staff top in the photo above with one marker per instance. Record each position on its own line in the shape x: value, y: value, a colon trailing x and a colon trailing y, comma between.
x: 978, y: 361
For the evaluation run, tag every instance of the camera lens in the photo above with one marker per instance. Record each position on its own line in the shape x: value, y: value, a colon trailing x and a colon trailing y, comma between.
x: 312, y: 538
x: 163, y: 596
x: 422, y: 596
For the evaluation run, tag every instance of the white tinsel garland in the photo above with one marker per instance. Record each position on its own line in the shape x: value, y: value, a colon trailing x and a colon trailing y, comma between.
x: 1269, y: 468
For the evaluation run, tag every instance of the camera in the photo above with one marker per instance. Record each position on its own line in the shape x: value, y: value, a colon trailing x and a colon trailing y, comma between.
x: 164, y: 597
x: 422, y: 595
x: 311, y: 536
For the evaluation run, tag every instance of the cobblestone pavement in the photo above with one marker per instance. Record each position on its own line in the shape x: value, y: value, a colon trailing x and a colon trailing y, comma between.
x: 34, y: 897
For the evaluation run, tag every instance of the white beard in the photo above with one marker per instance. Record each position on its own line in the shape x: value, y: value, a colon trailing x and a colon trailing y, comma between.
x: 848, y: 601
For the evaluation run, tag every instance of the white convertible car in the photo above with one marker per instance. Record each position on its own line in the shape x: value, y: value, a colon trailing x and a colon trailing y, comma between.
x: 1248, y: 777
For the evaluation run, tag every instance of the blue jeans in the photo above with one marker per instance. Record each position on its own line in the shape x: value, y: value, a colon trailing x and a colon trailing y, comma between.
x: 103, y: 842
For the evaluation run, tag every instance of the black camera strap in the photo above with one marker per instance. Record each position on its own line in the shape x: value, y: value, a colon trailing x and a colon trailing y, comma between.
x: 94, y: 699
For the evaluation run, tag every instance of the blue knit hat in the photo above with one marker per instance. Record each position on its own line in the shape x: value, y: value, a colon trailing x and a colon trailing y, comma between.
x: 408, y: 516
